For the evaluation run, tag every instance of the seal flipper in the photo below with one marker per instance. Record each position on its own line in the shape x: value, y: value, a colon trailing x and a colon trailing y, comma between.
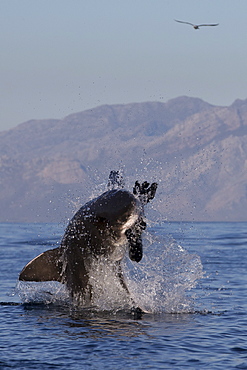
x: 144, y: 192
x: 134, y: 237
x: 45, y: 267
x: 135, y: 245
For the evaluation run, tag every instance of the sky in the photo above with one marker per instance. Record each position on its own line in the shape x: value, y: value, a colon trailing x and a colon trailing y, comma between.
x: 65, y: 56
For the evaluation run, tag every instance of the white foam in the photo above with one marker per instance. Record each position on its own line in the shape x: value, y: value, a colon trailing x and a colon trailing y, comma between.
x: 161, y: 282
x: 108, y: 292
x: 42, y: 292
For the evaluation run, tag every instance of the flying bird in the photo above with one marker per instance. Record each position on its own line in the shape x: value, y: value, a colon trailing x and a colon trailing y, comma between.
x: 197, y: 26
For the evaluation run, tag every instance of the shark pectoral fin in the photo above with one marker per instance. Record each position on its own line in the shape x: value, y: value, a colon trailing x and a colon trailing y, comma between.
x: 45, y: 267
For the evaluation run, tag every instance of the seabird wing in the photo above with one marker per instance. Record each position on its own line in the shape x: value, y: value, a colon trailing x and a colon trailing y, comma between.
x: 214, y: 24
x: 184, y: 22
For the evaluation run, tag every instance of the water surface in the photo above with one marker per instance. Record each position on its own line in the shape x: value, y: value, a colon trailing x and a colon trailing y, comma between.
x: 192, y: 281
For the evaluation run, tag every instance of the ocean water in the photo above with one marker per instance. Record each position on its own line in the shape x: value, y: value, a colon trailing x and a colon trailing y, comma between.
x: 192, y: 283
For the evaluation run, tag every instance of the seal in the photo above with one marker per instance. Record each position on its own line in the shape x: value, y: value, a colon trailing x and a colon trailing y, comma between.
x: 105, y: 227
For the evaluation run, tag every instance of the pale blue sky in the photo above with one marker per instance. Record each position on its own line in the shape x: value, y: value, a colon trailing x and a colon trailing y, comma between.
x: 65, y: 56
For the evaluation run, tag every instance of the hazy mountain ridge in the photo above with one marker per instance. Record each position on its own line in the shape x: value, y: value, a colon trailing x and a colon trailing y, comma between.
x: 196, y: 151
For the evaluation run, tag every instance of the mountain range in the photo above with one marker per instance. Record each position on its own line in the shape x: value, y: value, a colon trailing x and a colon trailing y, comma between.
x: 197, y: 152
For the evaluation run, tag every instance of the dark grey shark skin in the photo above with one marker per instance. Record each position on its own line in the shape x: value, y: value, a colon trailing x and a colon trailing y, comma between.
x: 115, y: 218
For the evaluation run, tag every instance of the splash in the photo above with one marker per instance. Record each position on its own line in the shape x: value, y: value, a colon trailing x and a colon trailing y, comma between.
x: 45, y: 292
x: 160, y: 283
x: 108, y: 294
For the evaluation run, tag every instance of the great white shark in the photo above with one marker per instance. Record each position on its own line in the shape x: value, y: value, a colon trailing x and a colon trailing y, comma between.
x: 107, y: 227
